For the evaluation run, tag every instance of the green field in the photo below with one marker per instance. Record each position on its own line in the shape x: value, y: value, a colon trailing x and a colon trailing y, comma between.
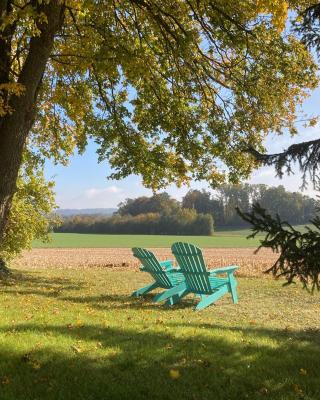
x: 219, y: 239
x: 224, y: 238
x: 77, y: 334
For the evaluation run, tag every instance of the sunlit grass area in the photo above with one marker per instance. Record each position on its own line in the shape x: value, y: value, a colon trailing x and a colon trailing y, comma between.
x: 226, y: 237
x: 219, y: 239
x: 77, y: 334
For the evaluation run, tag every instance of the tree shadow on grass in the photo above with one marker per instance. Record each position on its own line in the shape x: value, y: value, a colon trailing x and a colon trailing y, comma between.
x: 98, y: 363
x: 123, y: 301
x: 32, y: 283
x: 311, y: 335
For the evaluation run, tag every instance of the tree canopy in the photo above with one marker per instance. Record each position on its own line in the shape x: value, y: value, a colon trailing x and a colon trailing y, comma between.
x: 184, y: 84
x: 170, y: 90
x: 158, y: 203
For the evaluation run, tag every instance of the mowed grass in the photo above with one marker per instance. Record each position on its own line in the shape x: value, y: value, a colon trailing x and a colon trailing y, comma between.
x: 219, y: 239
x: 222, y: 238
x: 77, y: 334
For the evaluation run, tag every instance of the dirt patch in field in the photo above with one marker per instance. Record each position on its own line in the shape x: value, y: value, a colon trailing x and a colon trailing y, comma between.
x: 120, y: 258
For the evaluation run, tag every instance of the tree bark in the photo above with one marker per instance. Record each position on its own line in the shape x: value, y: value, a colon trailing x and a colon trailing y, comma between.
x: 4, y: 270
x: 15, y: 127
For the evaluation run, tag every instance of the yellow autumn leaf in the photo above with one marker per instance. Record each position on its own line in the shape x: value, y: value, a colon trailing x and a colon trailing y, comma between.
x: 5, y: 380
x: 174, y: 374
x: 303, y: 371
x: 297, y: 388
x: 76, y: 349
x: 35, y: 365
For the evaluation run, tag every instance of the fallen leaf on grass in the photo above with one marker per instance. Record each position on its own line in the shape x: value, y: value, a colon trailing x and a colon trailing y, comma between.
x: 35, y: 365
x: 297, y: 388
x: 76, y: 349
x: 174, y: 374
x: 29, y: 359
x: 5, y: 380
x: 303, y: 371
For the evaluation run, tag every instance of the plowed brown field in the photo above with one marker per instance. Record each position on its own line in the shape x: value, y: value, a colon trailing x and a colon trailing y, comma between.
x: 120, y: 258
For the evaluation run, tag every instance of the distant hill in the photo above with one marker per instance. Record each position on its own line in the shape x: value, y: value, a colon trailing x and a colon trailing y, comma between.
x: 68, y: 212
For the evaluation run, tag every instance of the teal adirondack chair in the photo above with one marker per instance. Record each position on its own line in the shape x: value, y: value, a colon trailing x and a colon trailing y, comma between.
x: 198, y: 280
x: 163, y: 273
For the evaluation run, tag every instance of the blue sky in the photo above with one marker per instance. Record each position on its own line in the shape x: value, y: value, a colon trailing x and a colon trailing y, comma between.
x: 84, y: 184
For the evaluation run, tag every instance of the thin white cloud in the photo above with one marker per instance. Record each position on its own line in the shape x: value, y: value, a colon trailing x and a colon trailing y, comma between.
x: 94, y: 193
x: 94, y: 197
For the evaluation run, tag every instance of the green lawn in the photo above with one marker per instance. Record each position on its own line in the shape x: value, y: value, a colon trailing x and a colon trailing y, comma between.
x: 220, y: 239
x: 77, y: 334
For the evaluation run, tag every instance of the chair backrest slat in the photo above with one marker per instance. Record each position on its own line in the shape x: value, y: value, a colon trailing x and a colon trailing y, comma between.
x: 152, y: 265
x: 193, y: 266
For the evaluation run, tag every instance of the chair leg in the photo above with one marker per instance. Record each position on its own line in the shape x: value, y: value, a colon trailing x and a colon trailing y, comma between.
x: 212, y: 298
x: 233, y: 289
x: 145, y: 289
x: 169, y: 293
x: 176, y: 298
x: 158, y: 297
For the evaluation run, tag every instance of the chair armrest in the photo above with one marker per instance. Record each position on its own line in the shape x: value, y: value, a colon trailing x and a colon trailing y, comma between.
x: 167, y: 265
x: 173, y: 270
x: 222, y: 270
x: 170, y: 268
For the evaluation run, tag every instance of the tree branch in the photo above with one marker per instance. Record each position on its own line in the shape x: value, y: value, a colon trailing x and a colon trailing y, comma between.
x: 299, y: 252
x: 307, y: 154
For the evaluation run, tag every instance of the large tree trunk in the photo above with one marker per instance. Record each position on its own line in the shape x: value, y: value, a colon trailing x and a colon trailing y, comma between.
x: 4, y: 270
x: 14, y: 127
